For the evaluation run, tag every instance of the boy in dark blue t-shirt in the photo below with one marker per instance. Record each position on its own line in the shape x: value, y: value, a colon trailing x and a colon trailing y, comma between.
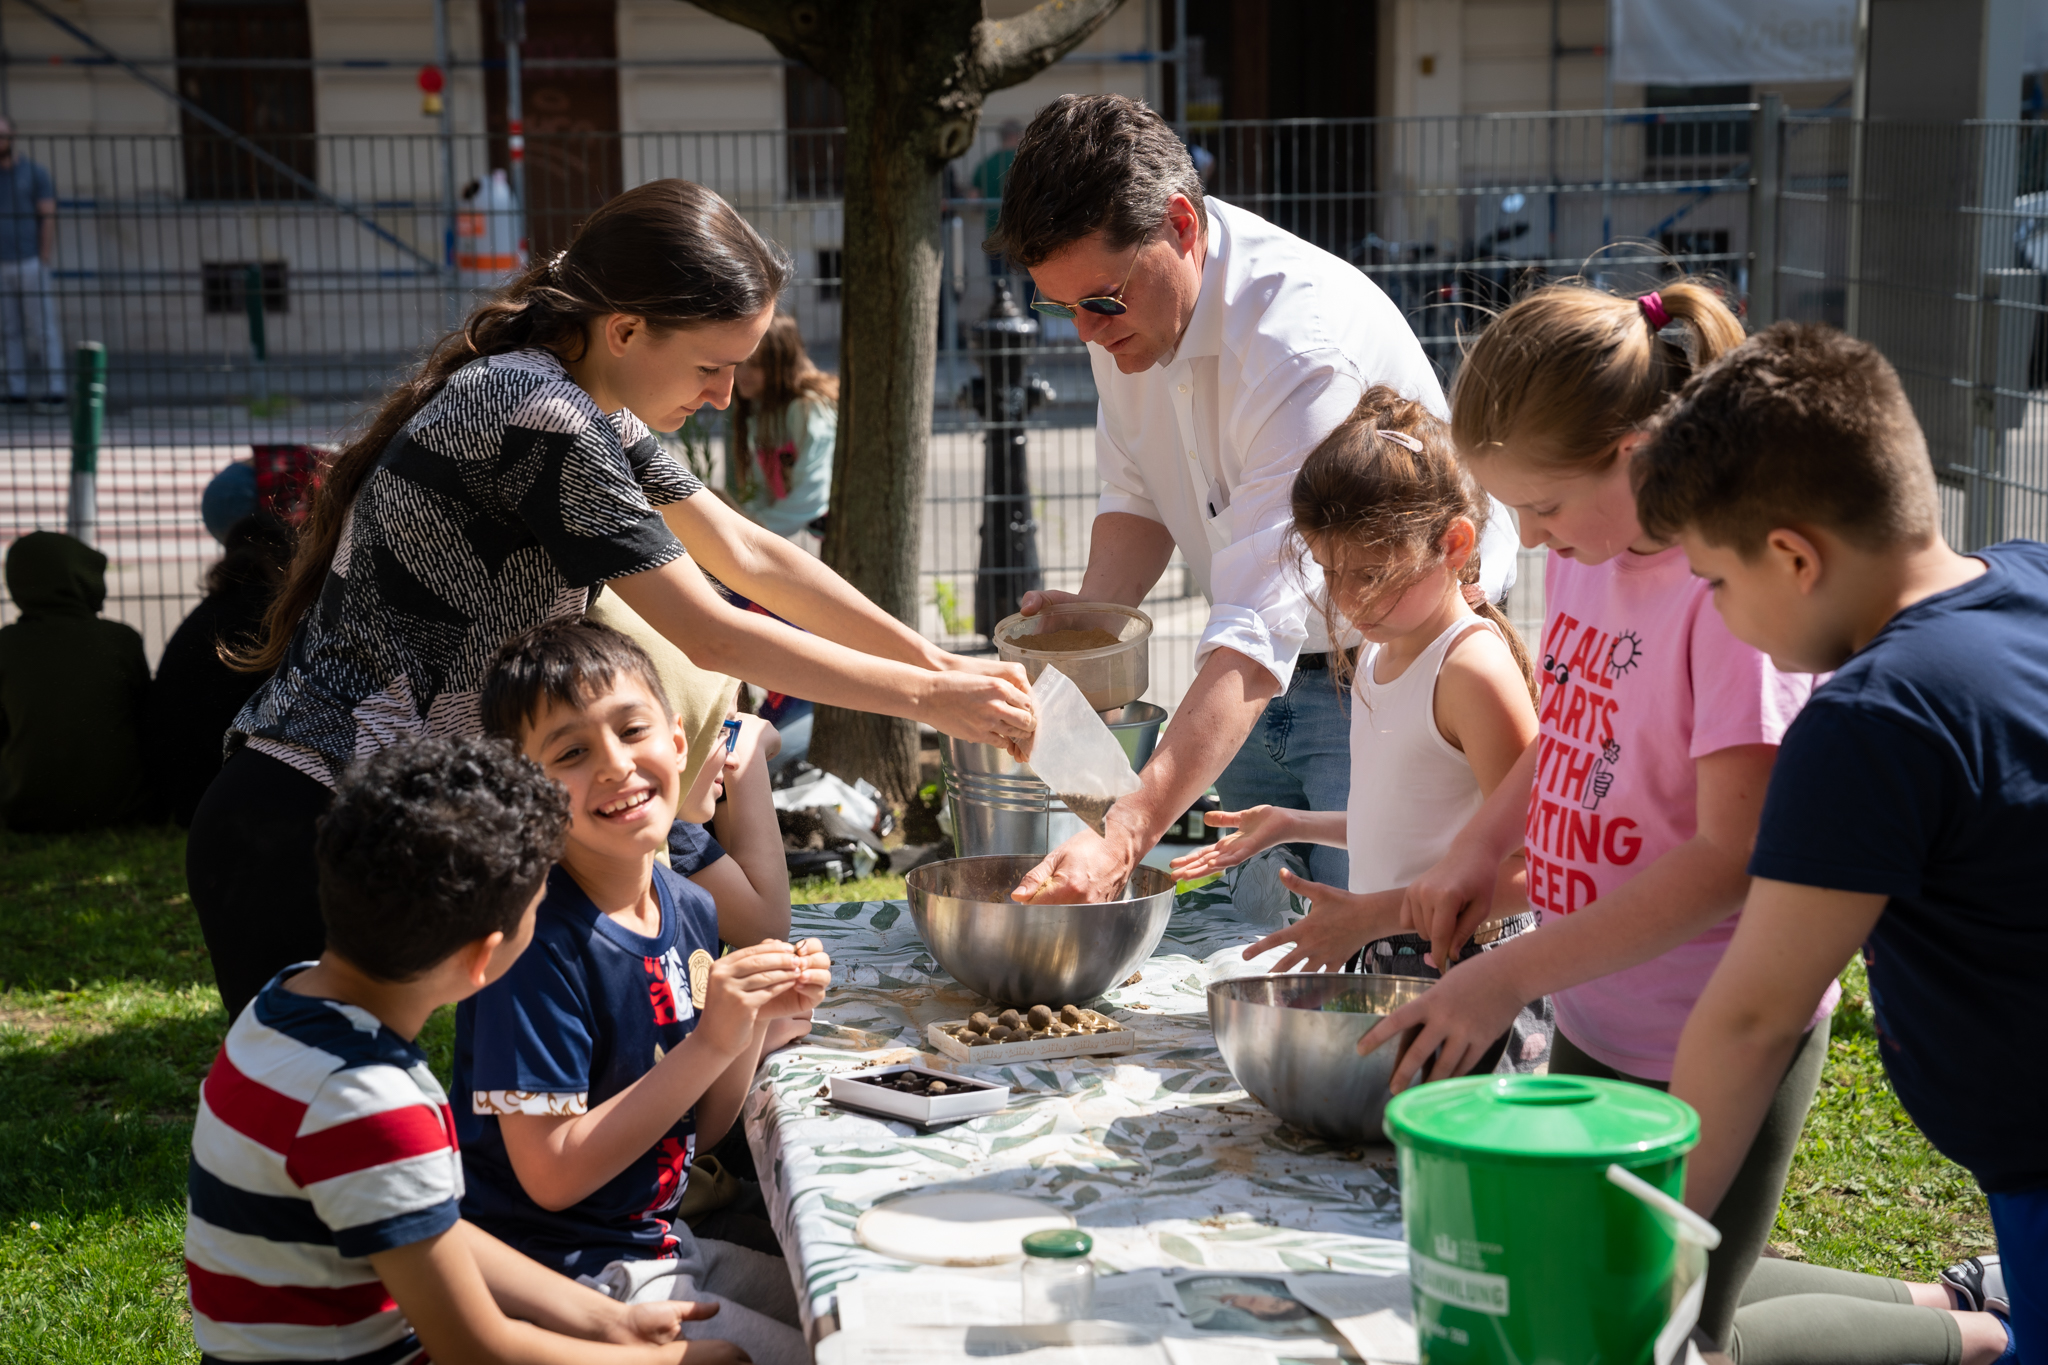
x: 587, y: 1077
x: 1908, y: 810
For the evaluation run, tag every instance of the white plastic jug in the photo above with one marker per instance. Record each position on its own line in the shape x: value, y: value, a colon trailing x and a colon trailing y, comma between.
x: 487, y: 252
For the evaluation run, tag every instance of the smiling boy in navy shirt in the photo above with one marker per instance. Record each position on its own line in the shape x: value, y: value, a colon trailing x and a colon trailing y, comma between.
x: 1908, y: 810
x: 587, y: 1077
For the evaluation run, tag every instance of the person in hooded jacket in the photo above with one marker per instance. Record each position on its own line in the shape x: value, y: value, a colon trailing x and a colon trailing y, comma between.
x: 71, y: 695
x: 197, y: 692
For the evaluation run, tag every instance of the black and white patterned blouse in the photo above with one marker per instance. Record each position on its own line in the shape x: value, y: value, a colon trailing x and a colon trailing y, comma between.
x: 497, y: 507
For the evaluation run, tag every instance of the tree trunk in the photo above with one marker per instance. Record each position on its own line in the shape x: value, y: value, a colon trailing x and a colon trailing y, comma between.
x: 913, y: 73
x: 888, y: 344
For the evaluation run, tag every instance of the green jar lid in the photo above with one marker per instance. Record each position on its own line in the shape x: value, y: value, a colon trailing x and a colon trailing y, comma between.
x: 1563, y: 1119
x: 1058, y: 1243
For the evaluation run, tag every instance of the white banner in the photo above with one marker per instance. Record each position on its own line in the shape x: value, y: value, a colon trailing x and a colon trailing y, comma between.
x: 1733, y: 42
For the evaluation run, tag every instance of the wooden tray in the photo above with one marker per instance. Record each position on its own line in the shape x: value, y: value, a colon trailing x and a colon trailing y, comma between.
x: 1119, y: 1039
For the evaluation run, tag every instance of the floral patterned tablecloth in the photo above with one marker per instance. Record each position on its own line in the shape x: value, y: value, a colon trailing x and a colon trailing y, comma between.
x: 1157, y: 1153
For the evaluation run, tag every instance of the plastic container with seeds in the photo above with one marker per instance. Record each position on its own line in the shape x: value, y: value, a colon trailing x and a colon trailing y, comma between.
x: 1105, y: 648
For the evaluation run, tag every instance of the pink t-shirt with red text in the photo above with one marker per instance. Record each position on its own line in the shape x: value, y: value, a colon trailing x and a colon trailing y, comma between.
x: 1640, y: 679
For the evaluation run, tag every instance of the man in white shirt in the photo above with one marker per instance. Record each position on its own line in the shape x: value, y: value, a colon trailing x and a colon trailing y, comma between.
x: 1224, y: 351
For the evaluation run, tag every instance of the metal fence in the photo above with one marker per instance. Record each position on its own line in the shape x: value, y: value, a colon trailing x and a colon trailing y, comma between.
x: 231, y: 324
x: 1931, y: 242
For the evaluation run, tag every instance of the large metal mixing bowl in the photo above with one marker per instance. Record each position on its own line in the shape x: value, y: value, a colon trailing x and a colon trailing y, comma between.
x: 1034, y: 954
x: 1301, y: 1061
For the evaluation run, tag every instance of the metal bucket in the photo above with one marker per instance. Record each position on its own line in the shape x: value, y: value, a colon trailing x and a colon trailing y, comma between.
x: 999, y: 806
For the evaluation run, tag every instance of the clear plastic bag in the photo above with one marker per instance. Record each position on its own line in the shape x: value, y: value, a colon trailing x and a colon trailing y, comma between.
x: 1074, y: 753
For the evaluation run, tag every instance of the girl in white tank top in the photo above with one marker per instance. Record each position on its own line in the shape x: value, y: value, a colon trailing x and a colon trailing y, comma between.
x: 1443, y: 699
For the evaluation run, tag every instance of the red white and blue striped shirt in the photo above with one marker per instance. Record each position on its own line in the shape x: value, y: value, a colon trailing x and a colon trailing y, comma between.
x: 322, y: 1139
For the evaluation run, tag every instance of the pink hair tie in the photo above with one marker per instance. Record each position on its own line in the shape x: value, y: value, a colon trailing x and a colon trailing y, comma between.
x: 1652, y: 305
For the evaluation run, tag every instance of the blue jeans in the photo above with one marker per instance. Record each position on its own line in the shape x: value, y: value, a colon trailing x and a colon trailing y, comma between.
x: 1298, y: 756
x: 2021, y: 1221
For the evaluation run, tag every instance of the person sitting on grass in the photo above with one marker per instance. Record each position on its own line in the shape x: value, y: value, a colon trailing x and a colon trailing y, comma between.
x: 1907, y: 811
x: 590, y: 1074
x: 322, y: 1221
x: 729, y: 810
x: 72, y: 690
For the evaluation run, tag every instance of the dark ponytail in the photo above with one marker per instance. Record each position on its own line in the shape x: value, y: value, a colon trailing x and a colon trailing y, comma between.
x: 670, y: 252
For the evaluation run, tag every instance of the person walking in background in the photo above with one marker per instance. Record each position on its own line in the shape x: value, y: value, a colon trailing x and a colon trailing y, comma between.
x: 28, y: 251
x: 785, y: 425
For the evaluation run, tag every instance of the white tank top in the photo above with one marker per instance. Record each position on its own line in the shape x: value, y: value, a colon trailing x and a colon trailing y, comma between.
x: 1411, y: 792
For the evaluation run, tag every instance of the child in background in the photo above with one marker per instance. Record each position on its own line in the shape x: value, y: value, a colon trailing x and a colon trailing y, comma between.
x: 1444, y: 696
x: 1907, y: 811
x: 622, y: 1040
x: 729, y: 810
x: 72, y: 691
x: 1637, y: 806
x: 785, y: 428
x: 322, y: 1220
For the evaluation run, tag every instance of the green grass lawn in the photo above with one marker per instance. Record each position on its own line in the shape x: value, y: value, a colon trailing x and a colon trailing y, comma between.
x: 108, y: 1021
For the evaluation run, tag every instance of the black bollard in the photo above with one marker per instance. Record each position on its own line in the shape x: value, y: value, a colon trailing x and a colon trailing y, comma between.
x: 1004, y: 395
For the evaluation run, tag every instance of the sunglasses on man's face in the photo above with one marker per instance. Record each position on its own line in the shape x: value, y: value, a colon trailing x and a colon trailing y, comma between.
x: 1108, y: 305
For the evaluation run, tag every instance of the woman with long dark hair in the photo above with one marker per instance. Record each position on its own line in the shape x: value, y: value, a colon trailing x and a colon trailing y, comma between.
x: 497, y: 486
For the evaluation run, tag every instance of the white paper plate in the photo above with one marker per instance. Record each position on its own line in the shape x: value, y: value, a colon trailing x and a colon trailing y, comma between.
x: 963, y: 1228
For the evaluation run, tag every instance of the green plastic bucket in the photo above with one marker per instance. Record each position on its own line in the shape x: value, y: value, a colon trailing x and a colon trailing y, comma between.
x: 1542, y: 1221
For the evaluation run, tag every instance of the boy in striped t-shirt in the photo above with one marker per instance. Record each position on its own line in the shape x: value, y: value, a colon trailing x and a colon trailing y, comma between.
x: 323, y: 1220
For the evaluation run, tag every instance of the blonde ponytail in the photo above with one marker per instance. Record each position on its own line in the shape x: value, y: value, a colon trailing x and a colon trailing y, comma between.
x: 1567, y: 371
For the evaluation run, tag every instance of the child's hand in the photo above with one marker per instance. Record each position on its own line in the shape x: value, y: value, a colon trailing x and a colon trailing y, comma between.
x: 745, y: 984
x: 1258, y: 829
x: 1446, y: 903
x: 1338, y: 925
x: 757, y: 736
x: 808, y: 991
x: 656, y: 1323
x: 1462, y: 1015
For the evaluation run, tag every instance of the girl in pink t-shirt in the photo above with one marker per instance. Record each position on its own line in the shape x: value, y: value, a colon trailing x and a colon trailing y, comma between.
x: 1637, y: 806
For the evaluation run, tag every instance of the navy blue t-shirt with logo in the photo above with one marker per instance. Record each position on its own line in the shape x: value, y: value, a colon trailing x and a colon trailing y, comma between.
x: 586, y: 1011
x: 1919, y: 772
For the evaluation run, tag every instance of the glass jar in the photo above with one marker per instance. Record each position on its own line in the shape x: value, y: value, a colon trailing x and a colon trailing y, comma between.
x: 1058, y: 1277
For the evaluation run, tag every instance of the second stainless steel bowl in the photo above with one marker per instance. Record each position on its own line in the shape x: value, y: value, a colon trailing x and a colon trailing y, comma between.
x: 1034, y: 954
x: 1300, y: 1060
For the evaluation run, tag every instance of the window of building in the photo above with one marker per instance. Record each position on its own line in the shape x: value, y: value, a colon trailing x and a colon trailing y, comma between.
x: 1697, y: 139
x: 1702, y: 249
x: 272, y: 107
x: 831, y: 266
x: 815, y: 115
x: 225, y: 285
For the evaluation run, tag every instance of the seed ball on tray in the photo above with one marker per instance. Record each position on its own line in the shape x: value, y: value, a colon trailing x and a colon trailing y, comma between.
x: 1041, y: 1016
x: 978, y: 1022
x: 1009, y: 1018
x: 1070, y: 1014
